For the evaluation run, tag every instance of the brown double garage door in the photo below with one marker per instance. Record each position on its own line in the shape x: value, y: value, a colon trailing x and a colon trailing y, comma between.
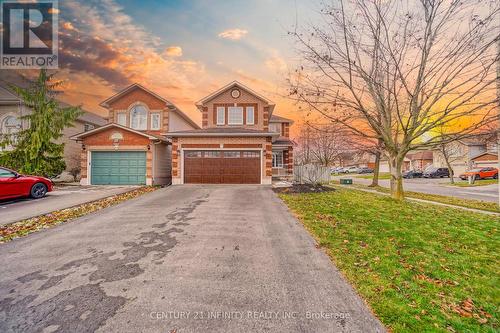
x: 222, y: 167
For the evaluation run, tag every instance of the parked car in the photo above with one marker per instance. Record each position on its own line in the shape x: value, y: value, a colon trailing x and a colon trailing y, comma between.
x: 412, y: 174
x: 13, y: 185
x: 365, y: 170
x: 436, y: 173
x: 337, y: 170
x: 481, y: 173
x: 352, y: 169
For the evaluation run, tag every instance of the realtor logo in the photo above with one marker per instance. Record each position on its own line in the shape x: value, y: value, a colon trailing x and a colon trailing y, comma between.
x: 29, y: 34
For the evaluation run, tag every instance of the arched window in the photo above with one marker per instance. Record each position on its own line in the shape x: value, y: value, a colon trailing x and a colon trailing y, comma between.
x: 139, y: 118
x: 11, y: 125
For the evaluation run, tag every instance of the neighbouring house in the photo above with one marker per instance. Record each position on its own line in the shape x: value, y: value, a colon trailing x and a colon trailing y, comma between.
x: 465, y: 154
x: 150, y: 141
x: 419, y: 160
x: 12, y: 109
x: 240, y: 141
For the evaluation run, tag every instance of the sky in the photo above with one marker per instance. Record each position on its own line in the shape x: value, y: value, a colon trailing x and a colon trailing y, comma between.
x: 182, y: 50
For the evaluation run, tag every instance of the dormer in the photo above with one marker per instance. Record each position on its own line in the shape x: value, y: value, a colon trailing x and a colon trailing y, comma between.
x: 235, y: 105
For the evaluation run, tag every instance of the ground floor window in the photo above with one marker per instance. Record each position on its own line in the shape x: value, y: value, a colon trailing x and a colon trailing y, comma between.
x: 277, y: 159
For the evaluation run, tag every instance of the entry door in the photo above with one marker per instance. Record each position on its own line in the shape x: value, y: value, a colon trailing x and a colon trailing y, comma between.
x: 118, y: 168
x: 222, y: 167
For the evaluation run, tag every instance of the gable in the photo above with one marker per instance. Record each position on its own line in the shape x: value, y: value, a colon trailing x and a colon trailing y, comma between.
x: 223, y: 95
x: 105, y: 138
x: 486, y: 157
x: 137, y: 94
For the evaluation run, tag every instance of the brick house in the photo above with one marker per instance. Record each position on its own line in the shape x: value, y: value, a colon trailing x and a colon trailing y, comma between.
x: 150, y: 141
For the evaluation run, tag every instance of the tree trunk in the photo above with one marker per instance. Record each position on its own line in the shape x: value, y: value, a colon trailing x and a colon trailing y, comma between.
x: 376, y: 170
x: 396, y: 164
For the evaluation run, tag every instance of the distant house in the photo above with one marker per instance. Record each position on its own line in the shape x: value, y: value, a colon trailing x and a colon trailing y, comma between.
x: 480, y: 150
x: 419, y: 160
x: 12, y: 109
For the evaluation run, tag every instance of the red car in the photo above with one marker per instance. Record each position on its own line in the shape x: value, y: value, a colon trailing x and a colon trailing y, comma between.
x: 13, y: 185
x: 481, y: 173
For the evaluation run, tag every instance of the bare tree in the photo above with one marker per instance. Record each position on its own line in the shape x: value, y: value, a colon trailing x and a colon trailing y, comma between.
x: 394, y: 70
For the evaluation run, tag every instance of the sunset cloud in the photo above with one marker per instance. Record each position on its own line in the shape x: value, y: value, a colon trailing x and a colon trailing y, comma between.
x: 173, y: 51
x: 233, y: 34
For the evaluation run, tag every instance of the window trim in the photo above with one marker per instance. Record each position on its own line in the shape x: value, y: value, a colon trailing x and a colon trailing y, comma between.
x: 219, y: 120
x: 154, y: 114
x: 253, y: 115
x: 239, y: 108
x: 274, y: 160
x: 131, y: 109
x: 118, y: 118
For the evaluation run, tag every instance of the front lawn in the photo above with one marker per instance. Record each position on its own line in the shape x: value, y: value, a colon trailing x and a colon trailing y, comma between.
x: 468, y: 203
x: 382, y: 175
x: 420, y: 267
x: 481, y: 182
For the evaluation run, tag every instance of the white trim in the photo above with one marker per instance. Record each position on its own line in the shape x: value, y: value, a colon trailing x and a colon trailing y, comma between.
x: 118, y: 114
x: 98, y: 129
x: 261, y: 157
x: 219, y: 121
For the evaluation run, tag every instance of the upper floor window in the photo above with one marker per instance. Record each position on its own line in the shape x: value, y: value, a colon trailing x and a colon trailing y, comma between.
x: 121, y: 119
x: 155, y: 121
x: 221, y: 111
x: 250, y: 115
x: 139, y: 118
x: 275, y: 127
x: 235, y: 115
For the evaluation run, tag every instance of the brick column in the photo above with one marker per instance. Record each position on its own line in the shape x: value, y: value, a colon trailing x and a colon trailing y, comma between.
x: 166, y: 114
x: 269, y: 157
x: 204, y: 120
x: 175, y: 157
x: 83, y: 167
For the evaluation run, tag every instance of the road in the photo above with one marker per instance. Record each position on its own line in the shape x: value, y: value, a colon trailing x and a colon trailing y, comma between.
x: 60, y: 198
x: 180, y: 259
x: 439, y: 186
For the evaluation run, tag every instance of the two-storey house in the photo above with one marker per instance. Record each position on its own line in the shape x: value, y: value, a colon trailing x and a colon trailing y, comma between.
x: 150, y: 141
x: 240, y: 142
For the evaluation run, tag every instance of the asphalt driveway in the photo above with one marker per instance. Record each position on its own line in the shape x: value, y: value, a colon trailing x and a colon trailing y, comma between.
x: 184, y: 258
x: 60, y: 198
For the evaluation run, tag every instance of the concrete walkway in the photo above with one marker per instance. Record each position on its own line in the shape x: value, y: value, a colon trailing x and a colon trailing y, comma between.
x: 183, y: 259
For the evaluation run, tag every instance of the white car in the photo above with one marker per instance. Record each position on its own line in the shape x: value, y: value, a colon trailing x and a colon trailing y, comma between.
x: 352, y: 169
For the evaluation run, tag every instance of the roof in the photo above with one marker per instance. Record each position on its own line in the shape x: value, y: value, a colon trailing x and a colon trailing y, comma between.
x: 283, y: 141
x: 7, y: 96
x: 106, y: 102
x: 279, y: 119
x: 110, y: 125
x: 221, y: 131
x: 230, y: 85
x: 486, y: 153
x: 184, y: 116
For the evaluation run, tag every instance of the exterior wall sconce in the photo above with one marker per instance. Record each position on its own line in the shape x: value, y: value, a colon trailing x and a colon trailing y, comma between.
x: 83, y: 147
x: 149, y: 147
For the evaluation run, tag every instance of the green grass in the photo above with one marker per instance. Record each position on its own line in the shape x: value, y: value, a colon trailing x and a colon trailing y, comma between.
x: 420, y: 267
x: 468, y: 203
x: 382, y: 175
x: 481, y: 182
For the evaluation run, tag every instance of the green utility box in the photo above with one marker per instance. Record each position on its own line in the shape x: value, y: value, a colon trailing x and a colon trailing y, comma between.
x: 346, y: 181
